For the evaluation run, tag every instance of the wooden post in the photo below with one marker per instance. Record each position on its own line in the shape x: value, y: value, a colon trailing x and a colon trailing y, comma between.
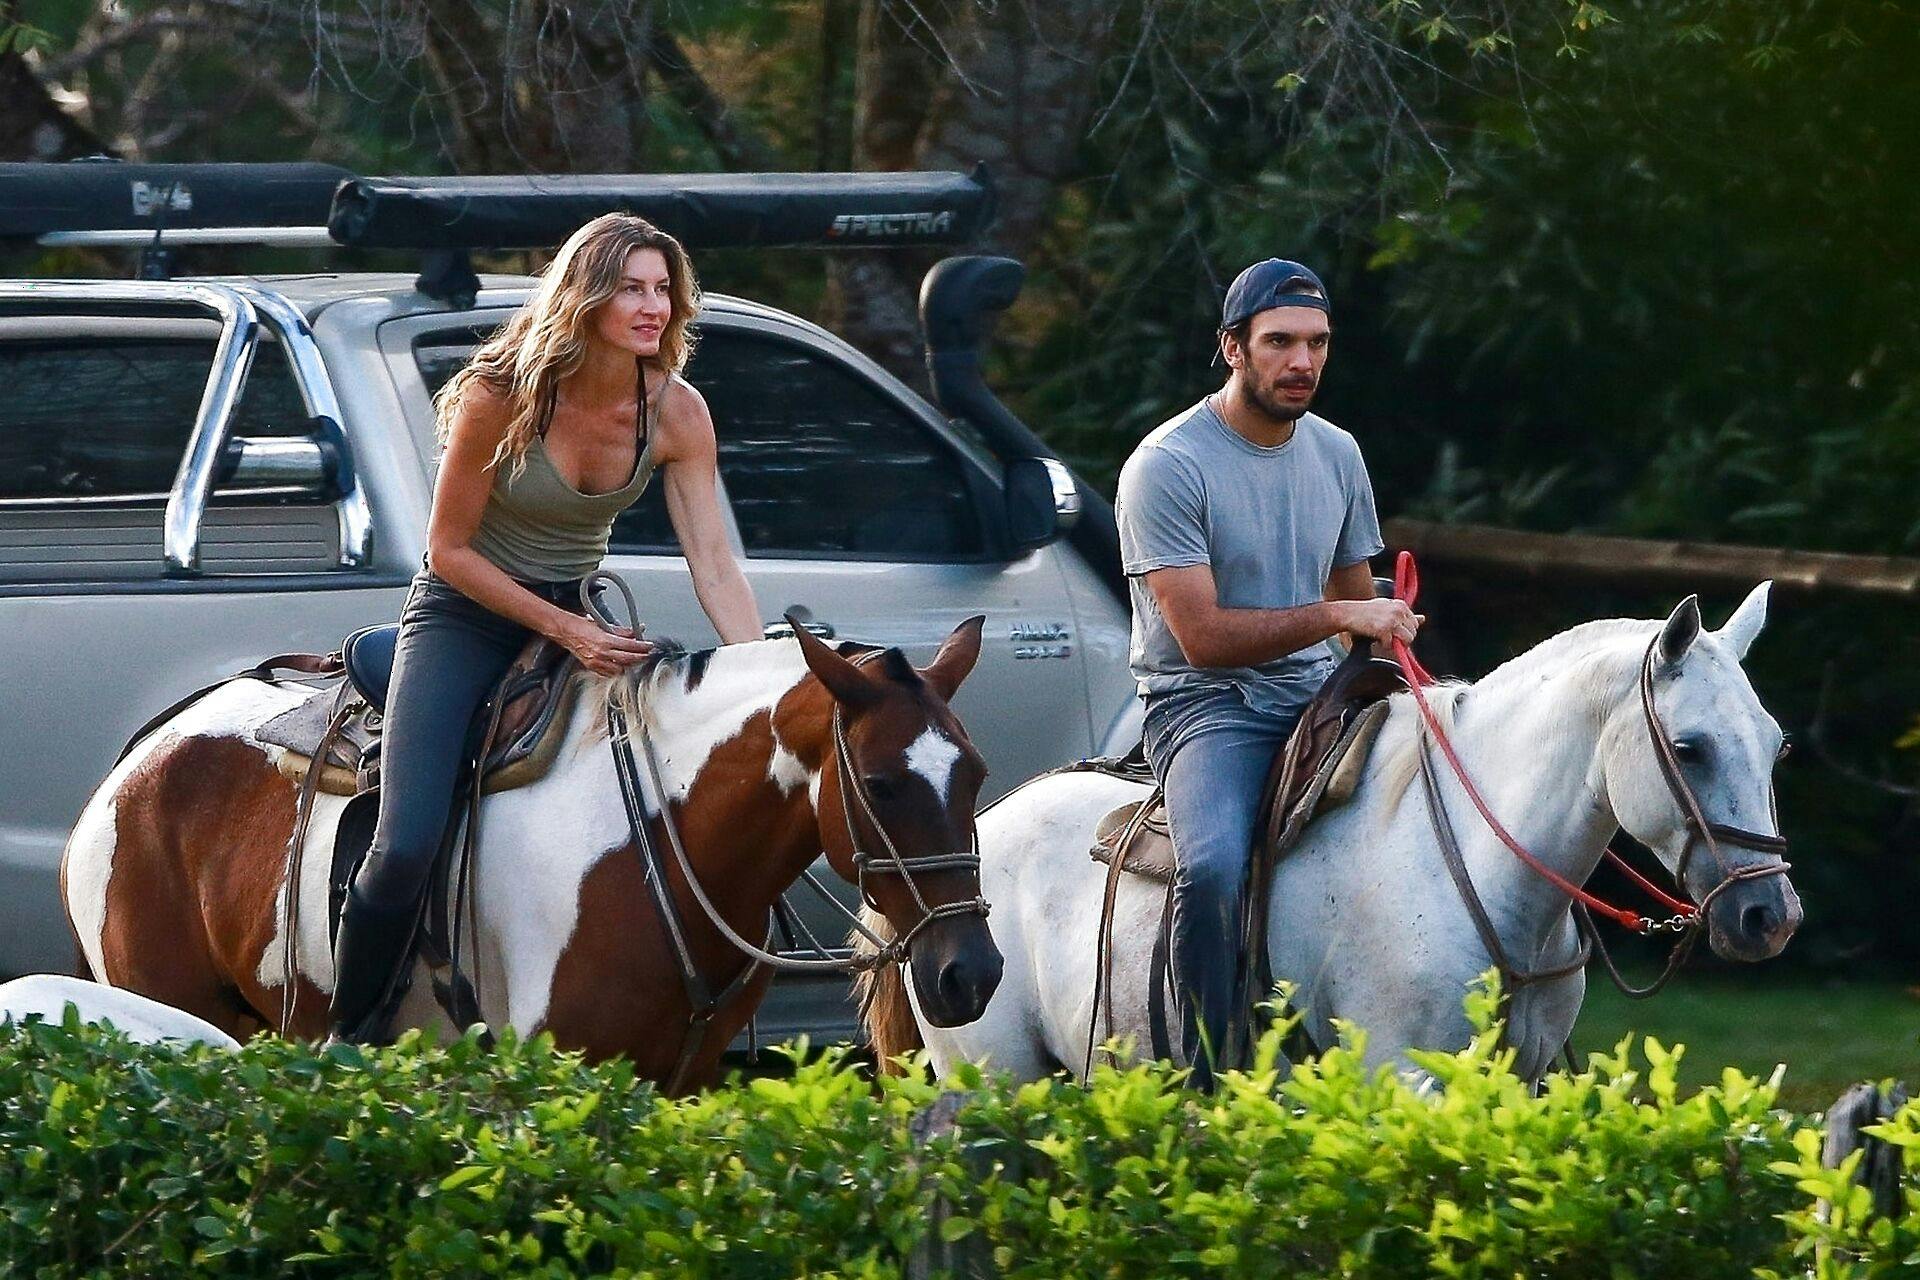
x: 971, y: 1256
x: 1880, y: 1168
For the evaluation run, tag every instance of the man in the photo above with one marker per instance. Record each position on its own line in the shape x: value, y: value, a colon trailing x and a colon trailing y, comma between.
x: 1245, y: 528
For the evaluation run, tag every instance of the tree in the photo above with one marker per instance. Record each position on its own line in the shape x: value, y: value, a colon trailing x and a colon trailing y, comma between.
x: 32, y: 125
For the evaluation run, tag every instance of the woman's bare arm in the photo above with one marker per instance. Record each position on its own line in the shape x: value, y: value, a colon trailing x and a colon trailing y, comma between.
x: 686, y: 448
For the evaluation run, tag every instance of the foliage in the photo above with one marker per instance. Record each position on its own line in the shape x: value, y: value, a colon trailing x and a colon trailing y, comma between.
x: 1673, y: 271
x: 1684, y: 271
x: 421, y: 1160
x: 1344, y: 1171
x: 1837, y: 1232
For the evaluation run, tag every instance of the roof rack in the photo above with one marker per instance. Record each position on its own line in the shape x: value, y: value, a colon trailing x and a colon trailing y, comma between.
x: 109, y: 202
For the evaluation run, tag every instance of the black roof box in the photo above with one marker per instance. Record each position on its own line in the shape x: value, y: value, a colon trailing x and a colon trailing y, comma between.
x: 704, y: 210
x: 106, y: 201
x: 112, y: 195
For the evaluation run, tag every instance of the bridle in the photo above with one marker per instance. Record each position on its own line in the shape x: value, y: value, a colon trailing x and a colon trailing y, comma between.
x: 887, y: 861
x: 894, y: 863
x: 1688, y: 919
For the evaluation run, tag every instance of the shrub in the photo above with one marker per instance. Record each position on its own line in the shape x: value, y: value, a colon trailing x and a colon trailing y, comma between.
x: 1834, y: 1227
x: 422, y: 1160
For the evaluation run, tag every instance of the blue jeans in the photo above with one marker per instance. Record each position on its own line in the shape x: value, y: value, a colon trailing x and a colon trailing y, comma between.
x: 1211, y: 752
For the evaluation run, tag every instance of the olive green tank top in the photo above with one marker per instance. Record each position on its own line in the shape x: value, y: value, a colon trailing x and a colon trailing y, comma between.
x: 538, y: 528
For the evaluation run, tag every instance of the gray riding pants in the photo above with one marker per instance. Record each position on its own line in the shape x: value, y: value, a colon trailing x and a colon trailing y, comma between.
x: 1211, y: 752
x: 451, y: 653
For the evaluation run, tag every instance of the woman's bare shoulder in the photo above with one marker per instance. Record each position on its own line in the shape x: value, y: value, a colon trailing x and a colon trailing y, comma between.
x: 685, y: 424
x: 481, y: 415
x: 683, y: 399
x: 484, y: 396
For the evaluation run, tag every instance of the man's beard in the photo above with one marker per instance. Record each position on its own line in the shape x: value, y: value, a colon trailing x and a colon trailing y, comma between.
x: 1272, y: 406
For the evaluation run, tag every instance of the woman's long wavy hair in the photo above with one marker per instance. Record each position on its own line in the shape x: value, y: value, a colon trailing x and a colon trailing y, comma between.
x: 547, y: 338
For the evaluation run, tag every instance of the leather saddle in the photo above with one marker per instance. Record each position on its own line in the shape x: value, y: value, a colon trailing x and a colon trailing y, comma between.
x: 538, y: 694
x: 1316, y: 770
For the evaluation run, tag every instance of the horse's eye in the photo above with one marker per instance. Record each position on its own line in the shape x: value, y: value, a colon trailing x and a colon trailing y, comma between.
x: 1786, y: 747
x: 879, y: 786
x: 1689, y: 751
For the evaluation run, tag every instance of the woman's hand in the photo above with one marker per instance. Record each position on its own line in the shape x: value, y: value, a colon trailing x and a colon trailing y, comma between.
x: 601, y: 650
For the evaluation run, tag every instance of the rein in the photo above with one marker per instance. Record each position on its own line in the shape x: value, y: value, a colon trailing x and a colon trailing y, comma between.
x: 1688, y: 918
x: 887, y: 861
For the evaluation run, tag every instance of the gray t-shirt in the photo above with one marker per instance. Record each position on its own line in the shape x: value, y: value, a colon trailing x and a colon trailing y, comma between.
x: 1273, y: 523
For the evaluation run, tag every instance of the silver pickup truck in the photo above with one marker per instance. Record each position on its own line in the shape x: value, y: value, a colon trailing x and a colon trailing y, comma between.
x: 195, y: 473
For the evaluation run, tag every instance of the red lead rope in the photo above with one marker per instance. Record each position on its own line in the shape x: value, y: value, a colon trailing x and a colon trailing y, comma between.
x: 1406, y: 589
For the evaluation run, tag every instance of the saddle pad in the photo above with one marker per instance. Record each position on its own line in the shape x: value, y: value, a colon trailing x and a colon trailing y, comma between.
x: 300, y: 727
x: 1150, y: 852
x: 525, y: 758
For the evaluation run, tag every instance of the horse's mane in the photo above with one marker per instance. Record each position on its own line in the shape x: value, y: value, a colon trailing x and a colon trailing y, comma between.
x: 1590, y: 653
x: 673, y: 660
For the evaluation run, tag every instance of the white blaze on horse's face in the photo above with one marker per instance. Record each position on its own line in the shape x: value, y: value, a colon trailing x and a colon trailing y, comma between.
x: 1726, y: 741
x: 933, y: 755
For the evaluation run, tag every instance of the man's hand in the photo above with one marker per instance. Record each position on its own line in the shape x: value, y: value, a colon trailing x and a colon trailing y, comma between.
x: 1382, y: 620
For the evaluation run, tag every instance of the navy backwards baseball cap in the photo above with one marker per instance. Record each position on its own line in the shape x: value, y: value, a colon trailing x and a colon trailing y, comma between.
x: 1273, y: 283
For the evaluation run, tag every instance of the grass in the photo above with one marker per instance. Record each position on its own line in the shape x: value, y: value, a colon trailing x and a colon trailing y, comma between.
x: 1830, y: 1035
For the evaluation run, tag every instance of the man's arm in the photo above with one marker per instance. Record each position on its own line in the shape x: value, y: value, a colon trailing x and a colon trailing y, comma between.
x: 1211, y: 635
x: 1352, y: 582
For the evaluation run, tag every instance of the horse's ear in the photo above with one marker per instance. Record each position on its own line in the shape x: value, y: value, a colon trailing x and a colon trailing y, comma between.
x: 1681, y: 629
x: 1746, y: 621
x: 958, y: 653
x: 849, y: 685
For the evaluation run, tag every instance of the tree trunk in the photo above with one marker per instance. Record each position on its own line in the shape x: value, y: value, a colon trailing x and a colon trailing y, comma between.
x: 1012, y: 84
x: 833, y: 125
x: 561, y: 90
x: 590, y: 76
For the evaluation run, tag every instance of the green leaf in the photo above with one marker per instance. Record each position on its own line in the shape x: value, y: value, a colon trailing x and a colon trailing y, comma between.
x: 461, y: 1177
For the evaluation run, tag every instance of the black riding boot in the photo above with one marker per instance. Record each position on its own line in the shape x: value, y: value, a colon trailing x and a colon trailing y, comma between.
x: 369, y: 960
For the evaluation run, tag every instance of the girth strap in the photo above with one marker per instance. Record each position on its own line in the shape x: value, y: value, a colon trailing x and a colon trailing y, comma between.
x: 1103, y: 939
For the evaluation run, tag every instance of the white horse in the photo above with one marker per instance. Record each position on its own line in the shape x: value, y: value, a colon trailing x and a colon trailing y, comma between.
x: 48, y: 995
x: 1364, y: 920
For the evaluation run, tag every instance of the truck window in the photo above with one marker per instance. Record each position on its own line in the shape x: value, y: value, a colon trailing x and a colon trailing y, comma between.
x: 93, y: 426
x: 110, y: 417
x: 819, y: 463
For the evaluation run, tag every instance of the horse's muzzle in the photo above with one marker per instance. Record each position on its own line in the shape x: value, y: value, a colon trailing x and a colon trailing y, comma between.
x: 956, y: 970
x: 1753, y: 920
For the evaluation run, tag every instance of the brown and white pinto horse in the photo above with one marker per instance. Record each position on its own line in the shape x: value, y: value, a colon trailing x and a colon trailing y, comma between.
x: 173, y: 875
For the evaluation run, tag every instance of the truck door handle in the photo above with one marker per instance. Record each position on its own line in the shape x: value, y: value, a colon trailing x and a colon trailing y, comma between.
x: 781, y: 631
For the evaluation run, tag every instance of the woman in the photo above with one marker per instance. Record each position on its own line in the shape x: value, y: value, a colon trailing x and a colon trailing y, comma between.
x: 550, y: 431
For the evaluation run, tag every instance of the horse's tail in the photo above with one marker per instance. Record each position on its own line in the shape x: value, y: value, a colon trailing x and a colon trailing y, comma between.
x: 882, y: 994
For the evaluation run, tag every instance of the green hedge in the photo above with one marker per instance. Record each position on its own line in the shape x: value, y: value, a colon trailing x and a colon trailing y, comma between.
x: 121, y: 1159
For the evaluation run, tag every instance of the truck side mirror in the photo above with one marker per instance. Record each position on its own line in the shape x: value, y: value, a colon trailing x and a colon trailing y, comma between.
x: 315, y: 464
x: 1043, y: 502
